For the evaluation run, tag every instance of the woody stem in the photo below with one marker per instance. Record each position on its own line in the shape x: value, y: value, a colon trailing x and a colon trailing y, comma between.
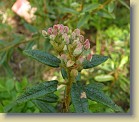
x: 67, y: 98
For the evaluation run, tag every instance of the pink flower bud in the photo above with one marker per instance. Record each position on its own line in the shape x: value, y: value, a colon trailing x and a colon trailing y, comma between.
x: 66, y: 29
x: 87, y: 44
x: 78, y: 49
x: 89, y: 57
x: 81, y: 59
x: 55, y: 27
x: 81, y: 38
x: 66, y: 38
x: 61, y: 28
x: 73, y: 35
x: 49, y: 31
x: 63, y: 57
x: 77, y: 31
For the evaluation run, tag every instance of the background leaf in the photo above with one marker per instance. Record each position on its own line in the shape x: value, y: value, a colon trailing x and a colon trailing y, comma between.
x: 104, y: 78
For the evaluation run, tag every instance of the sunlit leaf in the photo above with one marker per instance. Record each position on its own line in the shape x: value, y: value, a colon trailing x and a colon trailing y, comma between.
x: 104, y: 78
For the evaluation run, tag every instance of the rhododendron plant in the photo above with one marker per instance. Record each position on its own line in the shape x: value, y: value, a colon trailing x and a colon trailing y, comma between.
x: 72, y: 54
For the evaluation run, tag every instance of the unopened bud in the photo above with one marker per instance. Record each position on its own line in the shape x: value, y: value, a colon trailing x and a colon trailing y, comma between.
x: 52, y: 37
x: 78, y: 49
x: 44, y: 33
x: 81, y: 38
x: 74, y: 73
x: 86, y: 44
x: 70, y: 63
x: 89, y: 57
x: 49, y: 31
x: 54, y: 44
x: 77, y: 31
x: 80, y: 59
x: 63, y: 57
x: 66, y: 29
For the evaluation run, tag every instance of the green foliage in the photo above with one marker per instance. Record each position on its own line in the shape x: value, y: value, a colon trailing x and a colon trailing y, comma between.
x: 38, y: 91
x: 44, y: 107
x: 95, y: 93
x: 64, y: 73
x: 96, y: 60
x: 104, y: 78
x: 49, y: 98
x: 109, y: 33
x: 43, y: 57
x: 78, y: 98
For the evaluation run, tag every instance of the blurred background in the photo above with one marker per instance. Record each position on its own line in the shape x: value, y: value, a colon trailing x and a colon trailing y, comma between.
x: 106, y: 23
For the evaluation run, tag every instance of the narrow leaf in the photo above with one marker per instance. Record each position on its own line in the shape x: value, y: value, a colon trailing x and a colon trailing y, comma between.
x: 104, y: 78
x: 95, y: 93
x: 30, y: 28
x: 95, y: 61
x: 78, y: 97
x: 43, y: 57
x: 91, y: 7
x: 124, y: 4
x: 44, y: 107
x: 68, y: 10
x: 111, y: 7
x: 64, y: 73
x: 82, y: 21
x: 78, y: 78
x: 38, y: 91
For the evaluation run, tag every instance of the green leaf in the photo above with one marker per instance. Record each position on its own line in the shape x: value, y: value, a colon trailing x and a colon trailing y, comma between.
x: 8, y: 107
x: 49, y: 98
x: 1, y: 108
x: 94, y: 92
x: 39, y: 90
x: 78, y: 97
x: 30, y: 28
x: 124, y: 4
x: 105, y: 14
x: 18, y: 86
x: 82, y: 21
x: 90, y: 7
x: 95, y: 61
x: 111, y: 7
x: 104, y: 78
x: 9, y: 84
x: 78, y: 78
x: 44, y: 107
x: 68, y: 10
x: 124, y: 60
x: 3, y: 57
x: 64, y: 73
x: 43, y: 57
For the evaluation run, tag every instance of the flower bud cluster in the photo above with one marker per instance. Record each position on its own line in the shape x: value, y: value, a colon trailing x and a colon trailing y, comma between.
x: 72, y: 48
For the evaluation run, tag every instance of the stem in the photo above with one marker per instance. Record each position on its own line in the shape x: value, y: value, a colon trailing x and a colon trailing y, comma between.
x: 67, y: 93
